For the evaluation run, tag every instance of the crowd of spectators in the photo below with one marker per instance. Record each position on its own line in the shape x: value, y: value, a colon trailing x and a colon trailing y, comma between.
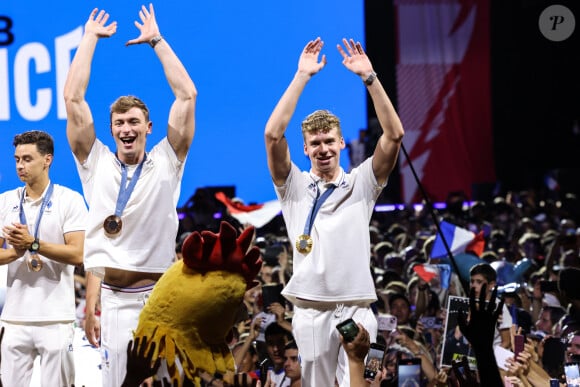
x: 543, y: 299
x: 518, y: 228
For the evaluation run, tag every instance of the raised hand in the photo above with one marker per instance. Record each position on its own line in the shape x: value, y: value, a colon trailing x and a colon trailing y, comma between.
x: 463, y: 374
x: 308, y: 62
x: 354, y: 57
x: 278, y: 310
x: 358, y: 348
x: 479, y: 331
x: 140, y: 366
x: 269, y: 382
x: 480, y: 328
x: 97, y: 24
x: 148, y: 26
x: 441, y: 377
x: 519, y: 367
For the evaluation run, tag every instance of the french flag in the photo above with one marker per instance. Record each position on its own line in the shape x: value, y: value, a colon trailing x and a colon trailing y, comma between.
x: 258, y: 215
x: 459, y: 240
x: 428, y: 271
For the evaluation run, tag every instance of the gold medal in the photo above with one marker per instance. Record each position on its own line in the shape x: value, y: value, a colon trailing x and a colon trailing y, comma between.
x: 112, y: 225
x: 304, y: 244
x: 34, y: 262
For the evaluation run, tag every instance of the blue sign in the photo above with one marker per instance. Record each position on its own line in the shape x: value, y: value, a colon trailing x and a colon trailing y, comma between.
x: 241, y: 56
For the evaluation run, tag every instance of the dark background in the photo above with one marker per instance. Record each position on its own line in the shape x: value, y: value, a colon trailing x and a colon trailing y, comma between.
x: 535, y: 94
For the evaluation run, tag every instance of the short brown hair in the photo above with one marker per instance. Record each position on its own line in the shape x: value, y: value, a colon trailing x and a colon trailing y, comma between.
x: 320, y: 121
x: 125, y: 103
x: 44, y: 142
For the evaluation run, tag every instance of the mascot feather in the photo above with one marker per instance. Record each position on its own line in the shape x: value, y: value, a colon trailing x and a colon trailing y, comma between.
x: 194, y: 304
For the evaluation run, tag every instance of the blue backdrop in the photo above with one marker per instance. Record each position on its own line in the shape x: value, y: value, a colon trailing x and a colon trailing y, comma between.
x: 241, y: 56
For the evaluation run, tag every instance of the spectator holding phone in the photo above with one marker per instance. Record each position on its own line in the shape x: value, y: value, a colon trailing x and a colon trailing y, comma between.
x: 327, y: 213
x: 245, y: 353
x: 549, y: 317
x: 356, y: 351
x: 418, y: 351
x: 400, y: 307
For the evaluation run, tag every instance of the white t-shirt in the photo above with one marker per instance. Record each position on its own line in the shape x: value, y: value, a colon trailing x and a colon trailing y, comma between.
x: 146, y: 242
x: 47, y: 295
x: 279, y: 379
x: 506, y: 323
x: 337, y: 268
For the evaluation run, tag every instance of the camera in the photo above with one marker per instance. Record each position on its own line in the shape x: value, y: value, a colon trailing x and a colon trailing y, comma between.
x: 272, y: 293
x: 386, y: 322
x: 547, y: 286
x: 409, y: 372
x: 374, y: 361
x: 431, y: 322
x: 348, y: 329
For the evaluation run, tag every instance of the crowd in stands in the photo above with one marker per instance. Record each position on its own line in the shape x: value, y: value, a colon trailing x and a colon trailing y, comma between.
x: 542, y: 301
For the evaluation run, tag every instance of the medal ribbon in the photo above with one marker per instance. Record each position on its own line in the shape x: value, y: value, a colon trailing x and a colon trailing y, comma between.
x: 125, y: 190
x: 43, y: 205
x: 318, y: 201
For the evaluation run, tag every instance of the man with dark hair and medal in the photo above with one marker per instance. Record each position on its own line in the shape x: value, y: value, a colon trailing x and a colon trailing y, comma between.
x: 132, y: 193
x: 43, y: 229
x: 327, y: 214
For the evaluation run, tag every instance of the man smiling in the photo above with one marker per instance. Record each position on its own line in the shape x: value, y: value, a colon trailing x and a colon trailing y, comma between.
x: 132, y: 194
x: 327, y: 214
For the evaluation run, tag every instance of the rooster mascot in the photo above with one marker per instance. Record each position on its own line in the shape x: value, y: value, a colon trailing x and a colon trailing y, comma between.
x: 194, y: 304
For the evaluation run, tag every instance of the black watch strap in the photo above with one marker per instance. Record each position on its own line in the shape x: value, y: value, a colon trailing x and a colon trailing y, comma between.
x: 34, y: 246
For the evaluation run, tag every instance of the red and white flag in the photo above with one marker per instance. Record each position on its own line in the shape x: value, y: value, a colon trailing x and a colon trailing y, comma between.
x: 258, y: 215
x: 428, y: 272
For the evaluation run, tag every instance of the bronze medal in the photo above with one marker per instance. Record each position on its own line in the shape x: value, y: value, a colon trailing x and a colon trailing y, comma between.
x: 34, y: 262
x: 304, y: 244
x: 112, y: 225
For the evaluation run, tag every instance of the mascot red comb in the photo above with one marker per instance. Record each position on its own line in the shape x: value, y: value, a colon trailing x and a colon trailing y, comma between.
x: 194, y: 304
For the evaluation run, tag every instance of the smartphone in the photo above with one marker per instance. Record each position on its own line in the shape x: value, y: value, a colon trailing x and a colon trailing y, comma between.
x: 514, y: 313
x: 348, y: 329
x: 572, y: 374
x: 387, y: 322
x: 519, y: 341
x: 548, y: 286
x: 374, y: 360
x: 428, y: 338
x: 409, y: 371
x: 431, y: 322
x: 272, y: 293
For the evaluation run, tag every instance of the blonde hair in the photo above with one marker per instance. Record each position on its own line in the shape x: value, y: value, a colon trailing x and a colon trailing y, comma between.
x: 321, y: 121
x: 125, y: 103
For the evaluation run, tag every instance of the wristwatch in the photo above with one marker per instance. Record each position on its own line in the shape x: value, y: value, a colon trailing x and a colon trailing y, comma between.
x: 153, y: 42
x: 370, y: 79
x: 34, y: 246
